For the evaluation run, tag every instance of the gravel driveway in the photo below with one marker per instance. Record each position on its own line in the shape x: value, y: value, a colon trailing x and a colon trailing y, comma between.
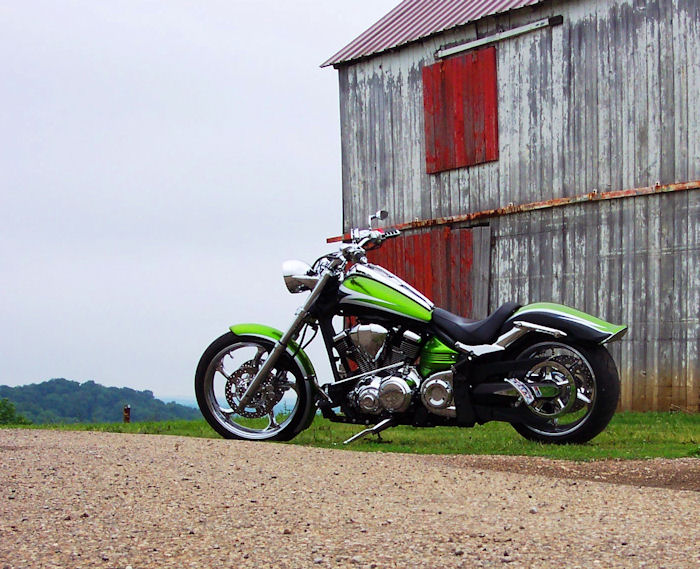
x: 82, y: 499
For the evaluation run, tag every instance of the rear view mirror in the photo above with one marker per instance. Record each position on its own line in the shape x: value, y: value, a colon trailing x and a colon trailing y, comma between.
x: 381, y: 214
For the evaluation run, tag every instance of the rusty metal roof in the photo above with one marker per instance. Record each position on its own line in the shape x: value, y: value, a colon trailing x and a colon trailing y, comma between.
x: 415, y: 19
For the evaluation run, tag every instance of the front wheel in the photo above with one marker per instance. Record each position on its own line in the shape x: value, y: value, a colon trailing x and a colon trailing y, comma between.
x: 277, y: 412
x: 589, y: 389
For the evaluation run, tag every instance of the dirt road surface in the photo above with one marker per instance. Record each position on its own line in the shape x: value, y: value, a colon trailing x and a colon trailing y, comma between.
x: 82, y: 499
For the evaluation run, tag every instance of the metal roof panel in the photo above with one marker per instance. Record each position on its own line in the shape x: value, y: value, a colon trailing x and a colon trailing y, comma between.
x: 415, y: 19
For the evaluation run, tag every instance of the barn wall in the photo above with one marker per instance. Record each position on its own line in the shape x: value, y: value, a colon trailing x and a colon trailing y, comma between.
x: 600, y: 102
x: 632, y: 261
x: 606, y: 101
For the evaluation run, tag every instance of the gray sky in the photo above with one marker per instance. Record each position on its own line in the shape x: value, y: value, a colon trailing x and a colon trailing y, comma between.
x: 158, y: 162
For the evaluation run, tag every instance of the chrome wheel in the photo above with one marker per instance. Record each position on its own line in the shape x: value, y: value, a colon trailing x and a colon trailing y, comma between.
x: 274, y: 411
x: 587, y: 391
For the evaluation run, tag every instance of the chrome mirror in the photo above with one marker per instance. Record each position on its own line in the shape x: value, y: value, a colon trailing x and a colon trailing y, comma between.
x: 381, y: 214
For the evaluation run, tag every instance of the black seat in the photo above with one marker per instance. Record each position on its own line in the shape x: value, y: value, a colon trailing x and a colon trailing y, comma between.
x: 472, y: 332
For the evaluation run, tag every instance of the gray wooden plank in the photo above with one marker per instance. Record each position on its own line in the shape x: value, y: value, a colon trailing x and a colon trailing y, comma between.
x: 665, y: 139
x: 692, y: 383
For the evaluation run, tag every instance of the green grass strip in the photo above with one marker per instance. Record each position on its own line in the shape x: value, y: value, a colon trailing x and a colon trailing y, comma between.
x: 629, y: 436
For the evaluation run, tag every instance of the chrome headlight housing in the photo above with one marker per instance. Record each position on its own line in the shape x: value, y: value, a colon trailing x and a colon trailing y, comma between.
x: 298, y: 276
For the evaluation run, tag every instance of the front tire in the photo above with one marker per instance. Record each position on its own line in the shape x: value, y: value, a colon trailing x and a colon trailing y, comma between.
x: 277, y: 412
x: 590, y: 392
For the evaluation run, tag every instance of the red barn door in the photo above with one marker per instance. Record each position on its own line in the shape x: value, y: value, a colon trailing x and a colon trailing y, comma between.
x: 448, y: 265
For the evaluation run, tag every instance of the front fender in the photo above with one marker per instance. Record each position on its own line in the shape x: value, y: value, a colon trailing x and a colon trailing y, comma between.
x: 269, y: 333
x: 576, y: 324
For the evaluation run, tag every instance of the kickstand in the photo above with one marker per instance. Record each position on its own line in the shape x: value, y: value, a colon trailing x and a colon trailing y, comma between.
x: 378, y: 428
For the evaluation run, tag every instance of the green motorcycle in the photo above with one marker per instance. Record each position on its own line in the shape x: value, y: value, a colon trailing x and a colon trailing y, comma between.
x: 400, y: 360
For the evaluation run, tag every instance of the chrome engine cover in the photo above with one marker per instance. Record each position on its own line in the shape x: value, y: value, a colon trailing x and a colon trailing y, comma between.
x: 369, y: 337
x: 392, y: 393
x: 366, y: 396
x: 395, y: 394
x: 437, y: 394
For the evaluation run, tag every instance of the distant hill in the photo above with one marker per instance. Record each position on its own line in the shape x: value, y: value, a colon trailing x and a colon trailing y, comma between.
x: 64, y: 401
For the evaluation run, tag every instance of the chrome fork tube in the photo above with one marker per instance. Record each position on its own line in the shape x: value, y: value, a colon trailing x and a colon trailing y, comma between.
x: 290, y: 334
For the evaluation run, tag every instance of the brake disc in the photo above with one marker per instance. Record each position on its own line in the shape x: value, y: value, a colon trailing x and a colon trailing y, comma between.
x: 264, y: 399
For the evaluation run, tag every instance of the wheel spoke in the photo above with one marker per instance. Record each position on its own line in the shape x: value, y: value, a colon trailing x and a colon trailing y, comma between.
x: 582, y: 397
x: 260, y: 352
x: 222, y: 371
x: 287, y: 384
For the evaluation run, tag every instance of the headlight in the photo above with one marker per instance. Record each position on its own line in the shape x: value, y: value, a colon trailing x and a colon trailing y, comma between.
x: 298, y: 276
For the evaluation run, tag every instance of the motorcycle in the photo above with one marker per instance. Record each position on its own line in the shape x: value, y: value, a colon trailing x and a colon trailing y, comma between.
x: 397, y: 359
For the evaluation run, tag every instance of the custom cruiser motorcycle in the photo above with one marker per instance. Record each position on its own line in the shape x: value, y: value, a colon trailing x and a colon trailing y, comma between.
x: 399, y: 360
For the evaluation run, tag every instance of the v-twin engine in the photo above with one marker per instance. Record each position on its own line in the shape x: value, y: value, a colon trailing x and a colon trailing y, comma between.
x: 396, y: 383
x: 367, y: 345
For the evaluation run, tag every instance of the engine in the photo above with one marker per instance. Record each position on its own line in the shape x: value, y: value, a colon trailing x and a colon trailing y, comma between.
x: 393, y: 387
x: 372, y: 346
x: 391, y: 393
x: 394, y: 392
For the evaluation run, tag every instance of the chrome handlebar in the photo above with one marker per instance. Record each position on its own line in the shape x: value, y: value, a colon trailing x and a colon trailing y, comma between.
x: 361, y: 239
x: 364, y: 237
x: 356, y: 250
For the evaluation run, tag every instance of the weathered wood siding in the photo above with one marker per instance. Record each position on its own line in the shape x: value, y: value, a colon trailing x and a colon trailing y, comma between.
x: 633, y: 261
x: 608, y: 100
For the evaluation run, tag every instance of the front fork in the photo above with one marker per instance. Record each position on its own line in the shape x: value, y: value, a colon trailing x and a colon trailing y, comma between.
x: 289, y: 335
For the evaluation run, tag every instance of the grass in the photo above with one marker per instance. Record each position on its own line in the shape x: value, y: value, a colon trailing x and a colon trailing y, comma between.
x: 629, y: 436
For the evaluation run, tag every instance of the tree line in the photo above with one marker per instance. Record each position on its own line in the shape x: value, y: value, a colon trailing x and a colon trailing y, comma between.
x: 64, y: 401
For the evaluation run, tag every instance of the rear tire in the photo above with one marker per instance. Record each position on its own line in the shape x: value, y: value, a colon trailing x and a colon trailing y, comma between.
x: 277, y: 412
x: 589, y: 406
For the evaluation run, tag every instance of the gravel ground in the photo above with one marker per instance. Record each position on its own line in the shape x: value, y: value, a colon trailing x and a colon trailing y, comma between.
x: 81, y: 499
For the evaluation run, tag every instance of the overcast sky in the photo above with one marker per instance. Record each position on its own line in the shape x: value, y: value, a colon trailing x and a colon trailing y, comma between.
x: 158, y: 162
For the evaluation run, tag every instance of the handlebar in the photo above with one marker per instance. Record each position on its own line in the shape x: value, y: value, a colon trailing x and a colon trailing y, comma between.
x: 364, y: 239
x: 361, y: 240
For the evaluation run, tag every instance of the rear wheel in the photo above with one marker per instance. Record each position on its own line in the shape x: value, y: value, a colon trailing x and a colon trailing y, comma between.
x: 588, y: 391
x: 276, y: 412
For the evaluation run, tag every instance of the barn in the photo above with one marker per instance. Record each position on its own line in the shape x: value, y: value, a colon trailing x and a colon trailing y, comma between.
x: 539, y: 151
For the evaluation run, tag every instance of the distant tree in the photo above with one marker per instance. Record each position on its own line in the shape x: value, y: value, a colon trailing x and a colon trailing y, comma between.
x: 8, y: 415
x: 64, y: 401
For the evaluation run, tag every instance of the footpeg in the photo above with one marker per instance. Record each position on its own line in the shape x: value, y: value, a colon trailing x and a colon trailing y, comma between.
x: 378, y: 428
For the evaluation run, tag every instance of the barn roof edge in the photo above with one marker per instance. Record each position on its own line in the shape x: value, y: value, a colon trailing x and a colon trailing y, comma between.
x: 414, y: 20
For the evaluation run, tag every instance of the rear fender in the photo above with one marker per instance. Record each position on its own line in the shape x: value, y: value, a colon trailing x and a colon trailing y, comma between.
x: 573, y: 323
